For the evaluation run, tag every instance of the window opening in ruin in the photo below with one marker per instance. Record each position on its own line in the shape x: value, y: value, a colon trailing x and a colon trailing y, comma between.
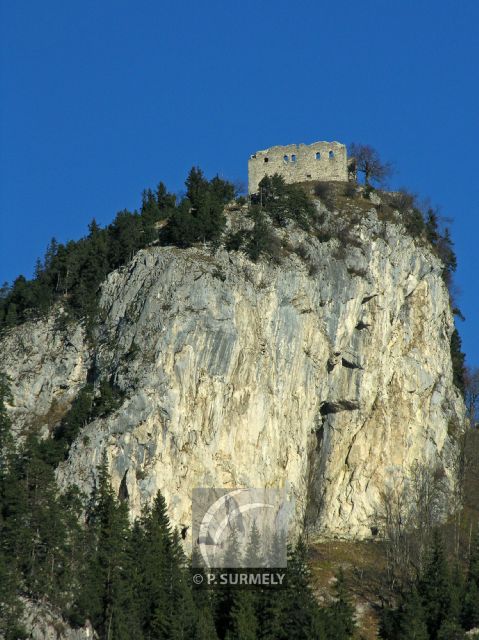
x: 293, y: 158
x: 331, y: 155
x: 285, y: 158
x: 318, y: 155
x: 266, y: 159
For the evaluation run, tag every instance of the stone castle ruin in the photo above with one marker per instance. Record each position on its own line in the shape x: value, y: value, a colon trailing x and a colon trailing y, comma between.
x: 323, y: 161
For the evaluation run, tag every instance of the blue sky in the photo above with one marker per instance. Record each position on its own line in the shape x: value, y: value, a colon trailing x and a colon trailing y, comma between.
x: 102, y: 99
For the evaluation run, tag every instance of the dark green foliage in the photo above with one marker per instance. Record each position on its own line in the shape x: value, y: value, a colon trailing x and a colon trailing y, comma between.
x: 10, y: 606
x: 283, y: 202
x: 261, y: 239
x: 301, y: 616
x: 407, y: 622
x: 87, y: 406
x: 445, y: 250
x: 451, y: 630
x: 432, y: 226
x: 107, y: 597
x: 326, y: 193
x: 253, y: 556
x: 412, y: 624
x: 340, y: 615
x: 458, y: 359
x: 72, y: 272
x: 414, y: 222
x: 470, y: 608
x: 242, y: 617
x: 435, y: 588
x: 200, y: 217
x: 440, y: 605
x: 40, y: 549
x: 10, y: 576
x: 132, y: 581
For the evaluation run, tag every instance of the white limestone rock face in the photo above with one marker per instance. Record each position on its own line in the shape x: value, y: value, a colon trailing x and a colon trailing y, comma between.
x: 47, y: 366
x: 43, y: 623
x: 324, y: 380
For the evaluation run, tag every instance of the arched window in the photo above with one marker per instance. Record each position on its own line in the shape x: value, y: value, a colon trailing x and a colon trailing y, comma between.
x: 293, y: 158
x: 318, y: 155
x: 331, y: 155
x: 285, y: 158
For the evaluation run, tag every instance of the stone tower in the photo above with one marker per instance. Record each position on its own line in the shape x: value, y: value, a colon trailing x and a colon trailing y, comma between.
x: 299, y: 163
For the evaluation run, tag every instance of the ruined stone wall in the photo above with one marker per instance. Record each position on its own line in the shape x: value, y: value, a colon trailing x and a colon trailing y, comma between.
x: 299, y: 163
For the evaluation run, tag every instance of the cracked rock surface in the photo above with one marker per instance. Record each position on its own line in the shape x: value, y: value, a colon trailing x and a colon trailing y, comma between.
x: 235, y: 374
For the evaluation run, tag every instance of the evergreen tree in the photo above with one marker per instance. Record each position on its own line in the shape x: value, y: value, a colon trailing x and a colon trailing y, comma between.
x: 10, y: 579
x: 435, y: 588
x: 432, y: 232
x: 340, y: 615
x: 224, y: 594
x: 450, y: 630
x: 165, y: 578
x: 458, y: 359
x: 300, y: 611
x: 261, y: 240
x: 165, y: 201
x: 284, y: 202
x: 243, y: 623
x: 107, y: 598
x: 253, y: 555
x: 412, y: 625
x: 470, y: 609
x: 445, y: 249
x: 203, y: 602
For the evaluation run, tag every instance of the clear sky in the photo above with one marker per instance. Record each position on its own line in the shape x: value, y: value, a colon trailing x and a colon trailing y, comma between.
x: 100, y: 99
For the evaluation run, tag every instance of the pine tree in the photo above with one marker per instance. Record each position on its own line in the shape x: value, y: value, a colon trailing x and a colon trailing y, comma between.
x: 470, y: 609
x: 203, y: 602
x: 435, y: 588
x: 458, y: 359
x: 431, y: 222
x: 165, y: 578
x: 253, y: 555
x: 300, y: 611
x: 340, y: 615
x: 179, y: 592
x: 107, y: 598
x: 10, y: 578
x: 261, y: 239
x: 412, y: 625
x: 11, y: 608
x: 450, y: 630
x: 243, y: 623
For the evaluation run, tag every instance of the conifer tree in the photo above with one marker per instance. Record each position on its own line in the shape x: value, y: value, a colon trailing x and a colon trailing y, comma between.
x: 435, y: 588
x: 302, y: 620
x: 340, y: 615
x: 243, y: 623
x: 450, y: 630
x: 412, y: 625
x: 203, y: 602
x: 10, y: 579
x: 253, y: 555
x: 107, y: 598
x: 470, y: 609
x: 224, y: 594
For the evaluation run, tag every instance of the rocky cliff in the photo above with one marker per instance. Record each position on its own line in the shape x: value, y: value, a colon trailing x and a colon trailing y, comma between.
x: 325, y: 373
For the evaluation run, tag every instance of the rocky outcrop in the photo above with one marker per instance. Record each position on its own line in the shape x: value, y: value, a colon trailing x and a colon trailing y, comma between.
x: 41, y: 622
x: 323, y: 374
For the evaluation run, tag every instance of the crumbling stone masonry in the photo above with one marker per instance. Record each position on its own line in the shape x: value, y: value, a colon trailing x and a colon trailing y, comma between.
x: 299, y: 163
